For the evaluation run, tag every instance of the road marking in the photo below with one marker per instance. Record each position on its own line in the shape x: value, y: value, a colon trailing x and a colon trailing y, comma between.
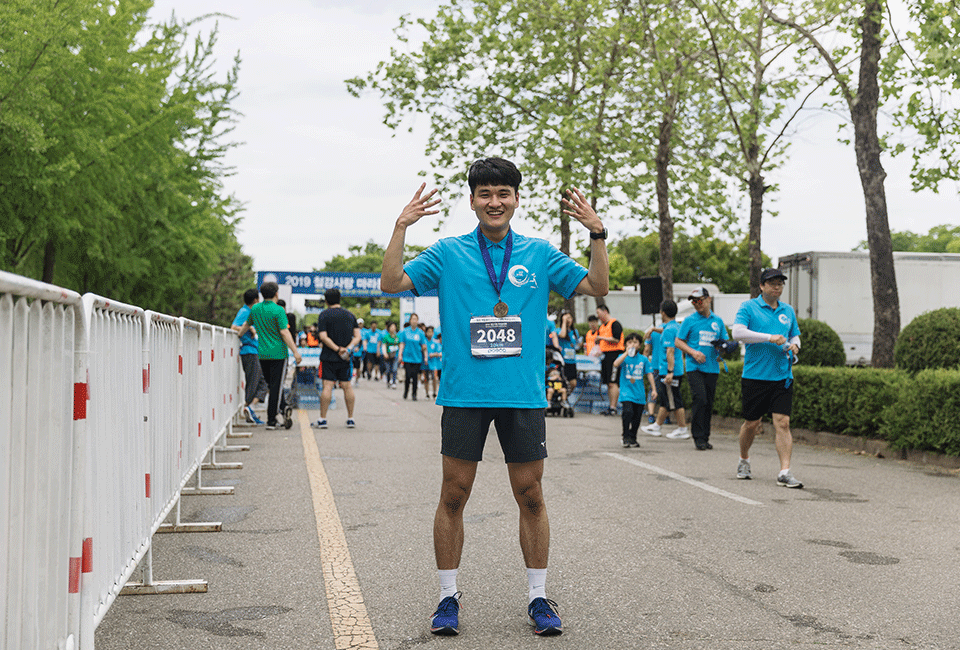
x: 684, y: 479
x: 348, y: 614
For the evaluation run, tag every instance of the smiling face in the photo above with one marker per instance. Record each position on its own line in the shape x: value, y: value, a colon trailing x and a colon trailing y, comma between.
x: 772, y: 289
x: 494, y: 205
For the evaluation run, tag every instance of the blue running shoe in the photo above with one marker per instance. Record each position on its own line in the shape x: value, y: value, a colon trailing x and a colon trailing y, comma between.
x: 544, y: 618
x: 446, y: 621
x: 252, y: 417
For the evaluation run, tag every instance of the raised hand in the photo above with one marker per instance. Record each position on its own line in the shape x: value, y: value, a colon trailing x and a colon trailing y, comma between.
x: 418, y: 207
x: 576, y: 206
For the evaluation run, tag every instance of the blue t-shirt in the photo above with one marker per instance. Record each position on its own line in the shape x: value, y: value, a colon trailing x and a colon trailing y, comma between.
x: 455, y: 268
x: 434, y: 347
x: 633, y: 372
x: 668, y: 340
x: 569, y: 345
x: 657, y: 358
x: 767, y: 361
x: 372, y: 340
x: 412, y: 338
x: 248, y: 344
x: 699, y: 332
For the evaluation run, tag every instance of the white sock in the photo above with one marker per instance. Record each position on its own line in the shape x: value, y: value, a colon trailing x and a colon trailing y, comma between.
x: 746, y: 459
x: 784, y: 471
x: 448, y: 583
x: 537, y: 579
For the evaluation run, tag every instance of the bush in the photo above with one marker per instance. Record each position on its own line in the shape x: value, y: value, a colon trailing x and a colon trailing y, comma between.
x: 924, y: 416
x: 820, y: 345
x: 931, y: 340
x: 851, y: 401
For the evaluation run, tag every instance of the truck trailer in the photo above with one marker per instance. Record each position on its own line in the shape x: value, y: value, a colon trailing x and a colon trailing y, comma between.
x: 835, y: 288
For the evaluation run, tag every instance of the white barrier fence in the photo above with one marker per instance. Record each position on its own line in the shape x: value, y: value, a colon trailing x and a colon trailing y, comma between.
x: 106, y: 412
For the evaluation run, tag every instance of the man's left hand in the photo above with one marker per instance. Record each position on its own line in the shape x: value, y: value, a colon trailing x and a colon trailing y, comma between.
x: 576, y: 206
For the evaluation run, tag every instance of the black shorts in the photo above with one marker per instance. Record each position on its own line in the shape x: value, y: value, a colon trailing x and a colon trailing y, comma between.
x: 663, y: 397
x: 371, y: 358
x: 761, y: 397
x: 337, y: 370
x: 609, y: 374
x: 570, y: 371
x: 522, y: 433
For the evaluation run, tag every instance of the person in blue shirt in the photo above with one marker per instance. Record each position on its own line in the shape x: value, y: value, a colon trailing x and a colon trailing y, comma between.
x: 356, y: 353
x: 255, y: 385
x: 413, y: 353
x: 493, y: 285
x: 695, y: 339
x: 653, y: 350
x: 670, y: 376
x: 570, y: 341
x: 434, y: 362
x: 769, y: 329
x: 371, y: 361
x: 633, y: 368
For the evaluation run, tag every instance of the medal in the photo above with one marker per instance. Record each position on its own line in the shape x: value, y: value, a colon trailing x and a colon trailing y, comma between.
x: 500, y: 309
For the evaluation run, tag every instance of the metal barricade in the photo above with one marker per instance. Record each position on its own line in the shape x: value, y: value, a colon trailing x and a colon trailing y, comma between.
x: 106, y: 412
x: 41, y: 340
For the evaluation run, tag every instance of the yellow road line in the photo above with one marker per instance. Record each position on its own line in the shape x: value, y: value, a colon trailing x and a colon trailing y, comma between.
x: 348, y: 615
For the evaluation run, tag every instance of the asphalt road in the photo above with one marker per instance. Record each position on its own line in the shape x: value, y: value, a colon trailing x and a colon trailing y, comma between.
x: 656, y: 547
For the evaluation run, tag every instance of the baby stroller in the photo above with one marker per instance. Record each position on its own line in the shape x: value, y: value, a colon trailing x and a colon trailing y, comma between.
x: 557, y: 405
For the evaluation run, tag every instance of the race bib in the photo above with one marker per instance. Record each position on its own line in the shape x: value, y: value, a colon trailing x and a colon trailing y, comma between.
x: 495, y: 337
x: 707, y: 338
x: 569, y: 354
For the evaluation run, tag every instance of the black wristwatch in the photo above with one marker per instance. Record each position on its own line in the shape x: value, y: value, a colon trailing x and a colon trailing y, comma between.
x: 599, y: 235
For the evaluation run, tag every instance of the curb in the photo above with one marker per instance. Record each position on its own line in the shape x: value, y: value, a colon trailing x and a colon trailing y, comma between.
x: 857, y: 444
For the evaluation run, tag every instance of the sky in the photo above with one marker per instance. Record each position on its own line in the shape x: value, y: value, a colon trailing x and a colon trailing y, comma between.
x: 318, y: 170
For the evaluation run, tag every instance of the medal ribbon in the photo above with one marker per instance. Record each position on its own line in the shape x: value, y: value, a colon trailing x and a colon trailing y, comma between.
x: 488, y: 260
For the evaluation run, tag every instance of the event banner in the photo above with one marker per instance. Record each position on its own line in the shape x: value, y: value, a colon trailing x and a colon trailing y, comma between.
x: 351, y: 285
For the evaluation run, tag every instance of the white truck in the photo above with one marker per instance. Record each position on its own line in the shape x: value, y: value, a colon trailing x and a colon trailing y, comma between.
x: 835, y: 288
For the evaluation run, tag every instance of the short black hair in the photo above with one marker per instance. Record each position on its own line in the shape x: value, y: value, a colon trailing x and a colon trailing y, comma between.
x: 669, y: 308
x: 493, y: 171
x: 269, y: 289
x: 603, y: 307
x: 633, y: 336
x: 592, y: 317
x: 250, y: 296
x: 332, y: 296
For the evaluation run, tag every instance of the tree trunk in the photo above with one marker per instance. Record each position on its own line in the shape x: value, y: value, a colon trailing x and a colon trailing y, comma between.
x: 49, y: 261
x: 756, y: 215
x: 886, y: 301
x: 664, y: 154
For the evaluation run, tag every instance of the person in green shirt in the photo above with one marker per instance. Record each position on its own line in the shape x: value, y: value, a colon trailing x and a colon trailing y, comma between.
x: 389, y: 347
x: 273, y: 332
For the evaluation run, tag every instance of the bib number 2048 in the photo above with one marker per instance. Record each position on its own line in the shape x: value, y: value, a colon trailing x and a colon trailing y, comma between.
x: 495, y: 337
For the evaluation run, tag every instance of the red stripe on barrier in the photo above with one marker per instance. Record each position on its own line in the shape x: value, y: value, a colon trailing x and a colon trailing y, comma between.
x: 87, y: 564
x: 75, y: 565
x: 211, y: 355
x: 199, y: 357
x: 213, y: 414
x: 80, y: 397
x: 198, y: 429
x: 146, y: 379
x: 181, y: 364
x: 147, y: 479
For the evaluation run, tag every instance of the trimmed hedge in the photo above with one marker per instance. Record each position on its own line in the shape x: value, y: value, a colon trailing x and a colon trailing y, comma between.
x: 919, y: 412
x: 931, y: 340
x: 926, y: 415
x: 820, y: 345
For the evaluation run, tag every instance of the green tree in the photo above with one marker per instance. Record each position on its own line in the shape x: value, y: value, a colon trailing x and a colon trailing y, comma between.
x: 116, y: 132
x: 861, y: 100
x: 704, y: 258
x: 940, y: 239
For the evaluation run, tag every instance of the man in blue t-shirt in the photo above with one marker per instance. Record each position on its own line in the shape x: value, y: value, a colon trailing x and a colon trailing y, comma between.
x: 669, y: 377
x: 413, y: 353
x: 695, y: 339
x: 371, y: 360
x: 493, y: 286
x: 770, y: 331
x: 255, y: 385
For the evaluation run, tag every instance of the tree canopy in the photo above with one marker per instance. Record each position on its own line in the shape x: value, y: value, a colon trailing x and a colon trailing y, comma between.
x: 940, y: 239
x: 112, y: 140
